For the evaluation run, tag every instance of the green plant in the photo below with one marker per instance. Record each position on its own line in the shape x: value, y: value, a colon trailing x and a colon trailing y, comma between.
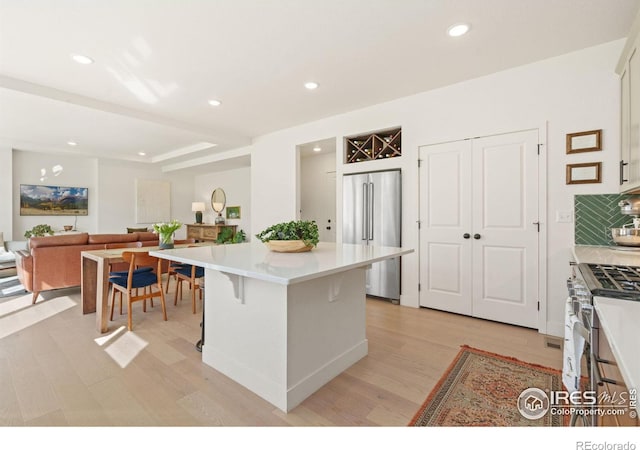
x: 239, y: 237
x: 226, y: 236
x: 39, y: 231
x: 306, y: 231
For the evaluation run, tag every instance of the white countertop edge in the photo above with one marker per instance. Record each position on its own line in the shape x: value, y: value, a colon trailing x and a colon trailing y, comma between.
x: 597, y: 254
x: 273, y: 278
x: 620, y: 339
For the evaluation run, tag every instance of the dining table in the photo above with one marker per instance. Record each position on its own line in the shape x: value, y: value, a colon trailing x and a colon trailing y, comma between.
x: 95, y: 279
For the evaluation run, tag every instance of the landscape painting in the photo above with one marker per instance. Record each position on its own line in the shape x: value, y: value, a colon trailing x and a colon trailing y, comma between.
x: 53, y: 200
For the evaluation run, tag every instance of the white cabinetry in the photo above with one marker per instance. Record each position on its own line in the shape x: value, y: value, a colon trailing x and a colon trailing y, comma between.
x: 630, y: 119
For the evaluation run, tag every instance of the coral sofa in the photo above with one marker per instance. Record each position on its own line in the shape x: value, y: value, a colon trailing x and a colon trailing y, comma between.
x: 54, y: 262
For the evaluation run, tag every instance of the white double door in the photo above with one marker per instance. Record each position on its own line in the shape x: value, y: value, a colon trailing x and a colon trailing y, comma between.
x: 479, y: 227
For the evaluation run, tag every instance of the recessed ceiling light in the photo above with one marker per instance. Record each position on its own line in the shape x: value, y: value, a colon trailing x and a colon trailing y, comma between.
x: 82, y: 59
x: 311, y: 85
x: 141, y: 153
x: 72, y: 143
x: 316, y: 149
x: 215, y: 102
x: 458, y: 29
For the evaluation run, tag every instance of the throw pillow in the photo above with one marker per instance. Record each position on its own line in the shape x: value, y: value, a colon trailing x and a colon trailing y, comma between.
x: 136, y: 230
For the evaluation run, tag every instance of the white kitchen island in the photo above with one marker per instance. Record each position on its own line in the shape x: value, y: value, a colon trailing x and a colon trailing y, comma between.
x: 283, y: 324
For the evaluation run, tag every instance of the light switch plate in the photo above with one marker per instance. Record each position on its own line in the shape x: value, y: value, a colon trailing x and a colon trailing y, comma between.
x: 564, y: 216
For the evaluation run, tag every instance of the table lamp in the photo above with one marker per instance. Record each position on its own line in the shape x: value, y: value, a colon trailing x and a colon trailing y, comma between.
x: 198, y: 207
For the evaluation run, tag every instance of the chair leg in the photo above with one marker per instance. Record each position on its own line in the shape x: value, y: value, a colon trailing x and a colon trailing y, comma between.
x: 129, y: 313
x: 168, y: 279
x: 178, y: 290
x: 163, y: 303
x: 113, y: 301
x: 35, y: 297
x: 193, y: 296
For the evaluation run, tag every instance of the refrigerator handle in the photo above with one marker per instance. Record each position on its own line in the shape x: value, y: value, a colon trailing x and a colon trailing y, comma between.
x: 371, y: 211
x: 365, y: 207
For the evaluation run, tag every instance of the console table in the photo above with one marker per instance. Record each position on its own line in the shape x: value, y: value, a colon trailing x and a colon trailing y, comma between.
x: 206, y: 232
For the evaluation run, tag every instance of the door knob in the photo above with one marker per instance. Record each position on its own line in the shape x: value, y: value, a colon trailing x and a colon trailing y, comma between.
x: 466, y: 235
x: 476, y: 236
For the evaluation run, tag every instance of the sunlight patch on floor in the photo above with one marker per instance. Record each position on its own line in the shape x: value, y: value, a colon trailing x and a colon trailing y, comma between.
x: 125, y: 348
x: 105, y: 339
x: 15, y: 304
x: 18, y: 314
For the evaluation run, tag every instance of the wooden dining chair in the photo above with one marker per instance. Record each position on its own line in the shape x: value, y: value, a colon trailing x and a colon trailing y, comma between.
x: 117, y: 268
x: 173, y: 265
x: 191, y: 275
x: 145, y: 273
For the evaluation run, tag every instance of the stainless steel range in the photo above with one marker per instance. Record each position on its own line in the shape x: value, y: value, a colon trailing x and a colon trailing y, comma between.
x: 598, y: 280
x: 604, y: 280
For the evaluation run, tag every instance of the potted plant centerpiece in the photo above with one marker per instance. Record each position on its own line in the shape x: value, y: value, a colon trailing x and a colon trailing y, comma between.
x: 39, y: 231
x: 165, y: 231
x: 290, y: 237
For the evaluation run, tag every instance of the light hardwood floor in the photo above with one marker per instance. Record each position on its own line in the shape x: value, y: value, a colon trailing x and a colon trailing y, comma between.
x: 53, y: 372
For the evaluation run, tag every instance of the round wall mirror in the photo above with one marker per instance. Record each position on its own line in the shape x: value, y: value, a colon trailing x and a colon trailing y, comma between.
x: 218, y: 201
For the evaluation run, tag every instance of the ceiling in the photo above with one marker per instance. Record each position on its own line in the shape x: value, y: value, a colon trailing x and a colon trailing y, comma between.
x: 158, y: 62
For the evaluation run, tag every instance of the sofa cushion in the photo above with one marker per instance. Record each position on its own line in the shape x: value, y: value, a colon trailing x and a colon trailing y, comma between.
x: 5, y: 255
x: 55, y: 241
x: 147, y: 236
x: 109, y: 238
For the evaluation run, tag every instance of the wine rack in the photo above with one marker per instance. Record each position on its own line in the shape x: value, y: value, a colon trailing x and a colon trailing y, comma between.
x: 373, y: 146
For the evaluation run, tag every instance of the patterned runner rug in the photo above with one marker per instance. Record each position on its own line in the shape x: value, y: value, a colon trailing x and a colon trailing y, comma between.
x: 483, y: 389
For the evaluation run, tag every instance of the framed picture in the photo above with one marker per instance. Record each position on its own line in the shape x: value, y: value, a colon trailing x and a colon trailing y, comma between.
x: 585, y: 141
x: 38, y: 200
x: 584, y: 173
x: 233, y: 212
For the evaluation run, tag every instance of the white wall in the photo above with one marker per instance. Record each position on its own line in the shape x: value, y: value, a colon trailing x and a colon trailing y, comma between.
x: 236, y: 184
x: 574, y: 92
x: 77, y: 172
x: 111, y: 187
x: 6, y: 194
x: 117, y: 195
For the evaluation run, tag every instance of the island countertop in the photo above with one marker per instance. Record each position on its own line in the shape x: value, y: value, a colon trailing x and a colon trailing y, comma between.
x: 255, y: 260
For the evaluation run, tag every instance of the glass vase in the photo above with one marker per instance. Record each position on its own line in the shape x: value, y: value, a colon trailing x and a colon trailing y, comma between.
x: 166, y: 240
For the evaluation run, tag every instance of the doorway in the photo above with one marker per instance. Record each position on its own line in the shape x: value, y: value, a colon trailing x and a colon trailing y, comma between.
x: 317, y: 186
x: 480, y: 233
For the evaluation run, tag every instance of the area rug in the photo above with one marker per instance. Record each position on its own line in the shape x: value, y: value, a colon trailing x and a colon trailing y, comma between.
x: 482, y: 389
x: 10, y: 286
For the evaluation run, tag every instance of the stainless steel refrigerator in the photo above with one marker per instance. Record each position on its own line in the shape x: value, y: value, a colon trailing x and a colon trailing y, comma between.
x: 371, y: 210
